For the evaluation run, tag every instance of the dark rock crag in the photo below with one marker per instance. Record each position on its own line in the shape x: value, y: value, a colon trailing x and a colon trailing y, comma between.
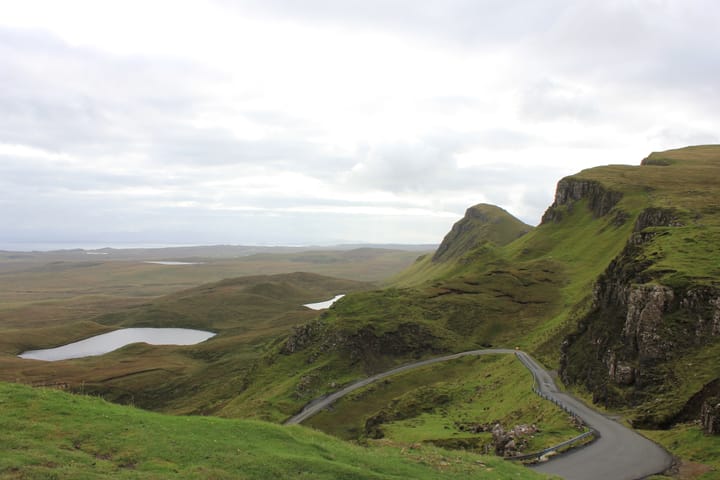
x: 636, y: 325
x: 710, y: 416
x: 601, y: 199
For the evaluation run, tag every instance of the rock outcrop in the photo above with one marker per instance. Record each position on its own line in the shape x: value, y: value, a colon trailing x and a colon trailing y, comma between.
x: 710, y: 416
x: 636, y: 324
x: 570, y: 190
x: 510, y: 443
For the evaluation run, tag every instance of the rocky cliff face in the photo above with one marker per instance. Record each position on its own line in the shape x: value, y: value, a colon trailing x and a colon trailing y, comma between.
x: 570, y: 190
x: 636, y: 325
x: 710, y: 416
x: 319, y: 337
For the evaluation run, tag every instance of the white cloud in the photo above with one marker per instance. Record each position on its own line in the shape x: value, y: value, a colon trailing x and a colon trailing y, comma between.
x: 229, y: 118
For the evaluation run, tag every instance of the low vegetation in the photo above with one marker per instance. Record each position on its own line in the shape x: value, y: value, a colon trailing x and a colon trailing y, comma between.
x: 455, y: 404
x: 246, y: 313
x: 49, y: 434
x: 617, y: 289
x: 697, y: 454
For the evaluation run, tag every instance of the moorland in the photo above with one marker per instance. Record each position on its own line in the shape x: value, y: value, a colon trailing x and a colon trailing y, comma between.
x: 617, y: 290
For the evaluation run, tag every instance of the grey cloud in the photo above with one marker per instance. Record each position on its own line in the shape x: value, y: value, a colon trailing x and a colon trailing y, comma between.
x: 685, y: 136
x: 59, y: 97
x: 216, y: 147
x: 460, y: 22
x: 430, y: 165
x: 668, y: 46
x: 93, y: 105
x: 23, y: 174
x: 87, y: 104
x: 506, y: 139
x: 655, y: 45
x: 546, y: 100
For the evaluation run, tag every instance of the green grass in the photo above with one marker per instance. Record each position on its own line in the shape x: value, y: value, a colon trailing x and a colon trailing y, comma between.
x: 700, y: 453
x: 248, y: 313
x: 437, y: 404
x: 533, y: 292
x: 482, y: 224
x: 47, y: 434
x: 45, y: 289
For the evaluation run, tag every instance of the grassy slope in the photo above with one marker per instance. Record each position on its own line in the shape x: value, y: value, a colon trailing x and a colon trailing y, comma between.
x: 246, y: 313
x: 436, y: 404
x: 49, y: 434
x: 37, y: 292
x: 481, y: 224
x: 518, y: 294
x: 699, y: 453
x: 687, y: 181
x: 530, y: 292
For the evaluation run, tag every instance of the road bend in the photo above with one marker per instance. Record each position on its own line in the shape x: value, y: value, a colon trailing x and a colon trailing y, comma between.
x: 618, y: 454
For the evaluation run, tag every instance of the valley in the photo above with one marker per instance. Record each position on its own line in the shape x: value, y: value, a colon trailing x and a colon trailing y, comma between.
x: 617, y: 292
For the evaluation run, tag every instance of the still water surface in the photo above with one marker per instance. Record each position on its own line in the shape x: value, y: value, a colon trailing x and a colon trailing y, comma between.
x: 107, y: 342
x: 323, y: 305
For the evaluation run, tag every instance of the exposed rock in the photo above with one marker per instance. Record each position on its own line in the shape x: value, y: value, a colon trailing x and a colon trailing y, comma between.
x: 692, y: 409
x: 643, y: 330
x: 510, y: 443
x: 622, y: 373
x: 373, y: 424
x: 570, y: 189
x: 408, y: 338
x: 656, y: 217
x: 305, y: 385
x: 635, y: 324
x: 654, y: 160
x: 302, y: 336
x: 474, y: 427
x: 710, y: 416
x: 577, y: 422
x: 705, y: 303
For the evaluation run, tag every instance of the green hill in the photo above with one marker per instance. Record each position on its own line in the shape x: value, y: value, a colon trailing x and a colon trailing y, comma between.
x: 483, y: 228
x: 246, y: 313
x: 482, y: 223
x: 617, y: 287
x: 50, y: 434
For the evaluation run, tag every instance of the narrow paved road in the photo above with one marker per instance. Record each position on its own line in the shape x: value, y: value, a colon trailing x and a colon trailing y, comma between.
x: 619, y: 453
x: 316, y: 405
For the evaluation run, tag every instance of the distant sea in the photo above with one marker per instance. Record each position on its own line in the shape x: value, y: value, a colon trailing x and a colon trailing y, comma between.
x: 48, y: 247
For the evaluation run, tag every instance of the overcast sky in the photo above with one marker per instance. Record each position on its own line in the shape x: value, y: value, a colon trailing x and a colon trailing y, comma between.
x: 331, y: 121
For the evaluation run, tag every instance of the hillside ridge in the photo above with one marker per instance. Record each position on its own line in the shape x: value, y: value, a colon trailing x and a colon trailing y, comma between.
x: 481, y: 223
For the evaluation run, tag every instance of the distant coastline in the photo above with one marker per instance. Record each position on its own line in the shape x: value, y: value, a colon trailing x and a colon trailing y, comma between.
x: 23, y: 247
x: 53, y: 247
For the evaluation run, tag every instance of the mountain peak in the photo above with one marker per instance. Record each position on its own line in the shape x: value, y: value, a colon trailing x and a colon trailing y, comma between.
x: 481, y: 223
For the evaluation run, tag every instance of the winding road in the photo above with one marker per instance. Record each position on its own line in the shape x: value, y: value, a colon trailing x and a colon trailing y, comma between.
x: 619, y: 453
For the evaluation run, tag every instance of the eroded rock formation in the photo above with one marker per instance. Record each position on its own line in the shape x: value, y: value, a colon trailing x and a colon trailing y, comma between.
x: 570, y: 190
x: 636, y: 324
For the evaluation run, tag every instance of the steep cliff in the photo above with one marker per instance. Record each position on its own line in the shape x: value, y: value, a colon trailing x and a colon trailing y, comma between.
x: 570, y: 190
x: 654, y: 320
x: 619, y: 287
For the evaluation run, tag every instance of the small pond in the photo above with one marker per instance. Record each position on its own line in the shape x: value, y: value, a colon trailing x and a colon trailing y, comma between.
x: 325, y: 304
x: 107, y: 342
x: 173, y: 263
